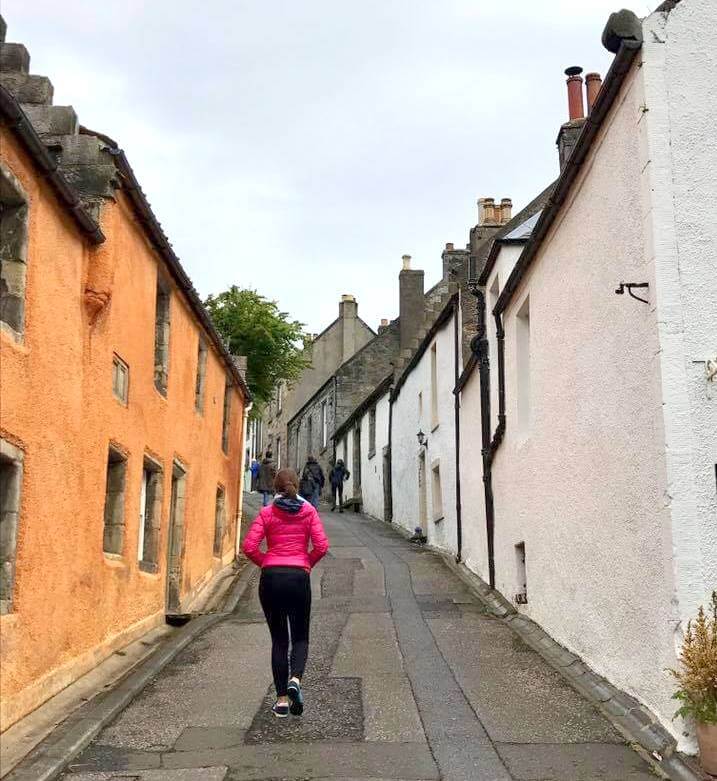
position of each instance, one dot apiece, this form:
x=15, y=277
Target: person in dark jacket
x=338, y=475
x=312, y=481
x=265, y=478
x=254, y=468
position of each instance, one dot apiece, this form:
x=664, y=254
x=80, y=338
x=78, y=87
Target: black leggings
x=285, y=596
x=338, y=489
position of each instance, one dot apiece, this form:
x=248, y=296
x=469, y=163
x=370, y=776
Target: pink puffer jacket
x=287, y=538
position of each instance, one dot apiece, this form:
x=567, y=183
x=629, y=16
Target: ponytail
x=286, y=482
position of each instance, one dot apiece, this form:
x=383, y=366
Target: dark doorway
x=175, y=546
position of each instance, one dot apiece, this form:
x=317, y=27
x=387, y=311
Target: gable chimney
x=455, y=261
x=570, y=131
x=348, y=319
x=411, y=303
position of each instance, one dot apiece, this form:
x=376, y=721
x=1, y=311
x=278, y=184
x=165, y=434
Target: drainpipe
x=240, y=481
x=500, y=430
x=457, y=415
x=480, y=348
x=390, y=456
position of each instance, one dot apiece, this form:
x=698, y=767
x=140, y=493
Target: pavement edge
x=52, y=756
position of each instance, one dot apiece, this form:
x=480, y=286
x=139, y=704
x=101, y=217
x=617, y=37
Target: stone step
x=14, y=58
x=53, y=120
x=28, y=88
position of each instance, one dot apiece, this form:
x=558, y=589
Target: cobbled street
x=408, y=679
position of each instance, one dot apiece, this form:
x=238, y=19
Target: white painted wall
x=611, y=485
x=372, y=467
x=441, y=443
x=583, y=486
x=475, y=542
x=679, y=153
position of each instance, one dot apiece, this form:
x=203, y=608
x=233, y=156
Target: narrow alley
x=409, y=678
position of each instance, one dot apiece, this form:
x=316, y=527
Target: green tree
x=252, y=325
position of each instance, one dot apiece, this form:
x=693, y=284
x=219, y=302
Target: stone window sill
x=16, y=337
x=439, y=520
x=150, y=567
x=371, y=454
x=435, y=426
x=114, y=560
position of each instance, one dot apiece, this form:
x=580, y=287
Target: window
x=161, y=338
x=372, y=432
x=522, y=333
x=150, y=515
x=227, y=415
x=114, y=502
x=309, y=435
x=201, y=373
x=11, y=465
x=278, y=452
x=219, y=520
x=420, y=405
x=120, y=379
x=13, y=252
x=324, y=425
x=434, y=387
x=436, y=492
x=280, y=398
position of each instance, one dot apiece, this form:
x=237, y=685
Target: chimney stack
x=593, y=83
x=570, y=130
x=348, y=318
x=411, y=302
x=486, y=212
x=575, y=93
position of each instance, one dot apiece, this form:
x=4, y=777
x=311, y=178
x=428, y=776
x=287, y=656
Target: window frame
x=114, y=525
x=11, y=459
x=372, y=432
x=119, y=363
x=435, y=420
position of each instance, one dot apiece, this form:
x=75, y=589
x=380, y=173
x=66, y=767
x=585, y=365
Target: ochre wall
x=72, y=601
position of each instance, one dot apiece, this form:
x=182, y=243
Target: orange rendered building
x=121, y=411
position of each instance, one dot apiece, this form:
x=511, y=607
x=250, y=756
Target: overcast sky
x=301, y=147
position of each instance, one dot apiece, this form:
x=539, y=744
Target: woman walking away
x=265, y=478
x=337, y=476
x=288, y=525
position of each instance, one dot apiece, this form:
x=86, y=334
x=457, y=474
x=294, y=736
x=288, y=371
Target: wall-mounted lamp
x=422, y=439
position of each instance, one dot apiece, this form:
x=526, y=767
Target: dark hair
x=287, y=482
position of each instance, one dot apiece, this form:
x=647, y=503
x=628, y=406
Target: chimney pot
x=384, y=321
x=486, y=211
x=593, y=83
x=449, y=246
x=406, y=262
x=506, y=210
x=575, y=92
x=347, y=297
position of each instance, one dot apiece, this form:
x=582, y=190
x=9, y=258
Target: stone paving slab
x=208, y=685
x=409, y=761
x=502, y=677
x=192, y=774
x=574, y=762
x=390, y=712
